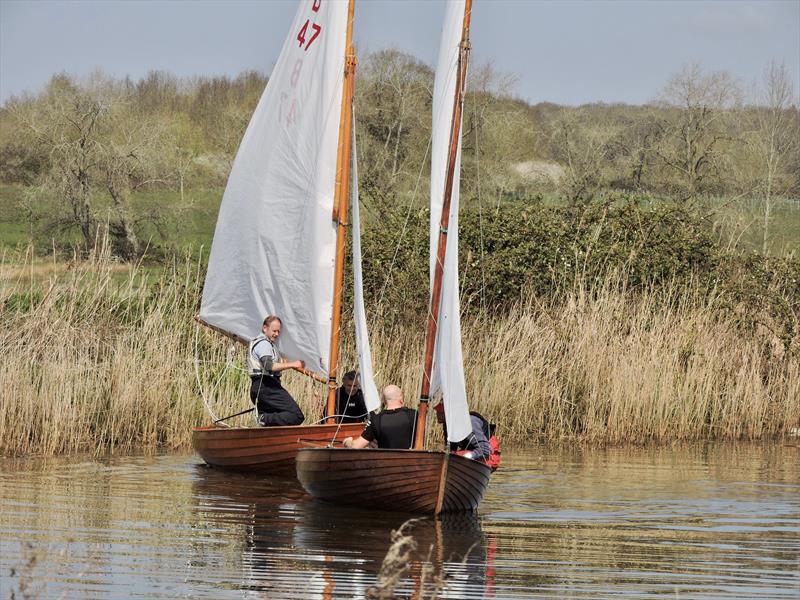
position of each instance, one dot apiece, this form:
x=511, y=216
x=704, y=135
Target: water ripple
x=700, y=521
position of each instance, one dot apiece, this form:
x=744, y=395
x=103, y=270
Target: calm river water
x=710, y=521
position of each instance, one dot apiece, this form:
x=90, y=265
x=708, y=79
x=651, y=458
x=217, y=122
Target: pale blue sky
x=568, y=52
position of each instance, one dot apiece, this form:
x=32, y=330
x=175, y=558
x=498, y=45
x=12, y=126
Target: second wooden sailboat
x=419, y=480
x=279, y=243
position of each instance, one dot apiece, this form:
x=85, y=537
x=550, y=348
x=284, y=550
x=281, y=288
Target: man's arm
x=282, y=366
x=363, y=440
x=274, y=367
x=359, y=442
x=264, y=354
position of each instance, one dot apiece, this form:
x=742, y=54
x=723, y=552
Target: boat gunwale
x=275, y=428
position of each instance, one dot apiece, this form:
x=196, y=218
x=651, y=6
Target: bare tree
x=95, y=145
x=633, y=149
x=581, y=143
x=773, y=139
x=63, y=124
x=393, y=111
x=692, y=134
x=128, y=161
x=498, y=136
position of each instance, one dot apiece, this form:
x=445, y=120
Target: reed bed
x=97, y=356
x=612, y=367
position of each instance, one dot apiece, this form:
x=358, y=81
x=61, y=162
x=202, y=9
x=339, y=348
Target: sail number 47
x=301, y=37
x=315, y=29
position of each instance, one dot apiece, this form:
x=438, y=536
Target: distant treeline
x=87, y=147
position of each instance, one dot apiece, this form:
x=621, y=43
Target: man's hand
x=347, y=442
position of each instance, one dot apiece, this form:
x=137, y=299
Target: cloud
x=729, y=18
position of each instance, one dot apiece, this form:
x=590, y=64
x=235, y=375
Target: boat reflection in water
x=295, y=547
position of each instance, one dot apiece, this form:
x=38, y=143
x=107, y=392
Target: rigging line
x=480, y=209
x=197, y=375
x=413, y=201
x=405, y=226
x=216, y=362
x=414, y=428
x=338, y=424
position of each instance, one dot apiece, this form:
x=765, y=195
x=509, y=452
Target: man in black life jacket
x=350, y=404
x=393, y=427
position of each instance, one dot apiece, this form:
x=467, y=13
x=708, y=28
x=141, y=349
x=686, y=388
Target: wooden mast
x=342, y=193
x=436, y=295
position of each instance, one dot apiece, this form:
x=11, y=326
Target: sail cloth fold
x=275, y=241
x=448, y=368
x=368, y=387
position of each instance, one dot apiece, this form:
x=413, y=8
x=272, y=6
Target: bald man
x=393, y=427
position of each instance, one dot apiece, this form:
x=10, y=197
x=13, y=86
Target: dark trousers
x=274, y=404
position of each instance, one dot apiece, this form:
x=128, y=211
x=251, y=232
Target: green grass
x=164, y=219
x=187, y=223
x=14, y=227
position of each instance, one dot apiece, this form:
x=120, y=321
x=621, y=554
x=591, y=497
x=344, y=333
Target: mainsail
x=274, y=244
x=448, y=369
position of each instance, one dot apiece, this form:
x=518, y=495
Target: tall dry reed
x=96, y=355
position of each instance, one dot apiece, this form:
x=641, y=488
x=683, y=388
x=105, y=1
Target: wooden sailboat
x=279, y=243
x=419, y=480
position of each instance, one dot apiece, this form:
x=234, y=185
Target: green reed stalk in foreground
x=95, y=355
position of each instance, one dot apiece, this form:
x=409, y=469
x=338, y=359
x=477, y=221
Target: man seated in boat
x=481, y=444
x=350, y=405
x=393, y=427
x=274, y=404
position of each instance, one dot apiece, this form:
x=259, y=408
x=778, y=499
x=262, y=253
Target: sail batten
x=274, y=243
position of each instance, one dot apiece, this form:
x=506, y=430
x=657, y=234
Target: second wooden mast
x=436, y=294
x=341, y=198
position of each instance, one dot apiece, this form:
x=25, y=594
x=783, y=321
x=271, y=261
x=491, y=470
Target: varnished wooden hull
x=263, y=450
x=417, y=481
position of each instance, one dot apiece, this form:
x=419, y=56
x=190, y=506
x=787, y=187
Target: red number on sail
x=284, y=97
x=316, y=5
x=292, y=116
x=301, y=37
x=296, y=72
x=314, y=35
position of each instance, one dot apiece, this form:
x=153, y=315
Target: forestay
x=368, y=388
x=274, y=244
x=448, y=369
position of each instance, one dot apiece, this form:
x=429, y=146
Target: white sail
x=448, y=368
x=368, y=388
x=274, y=244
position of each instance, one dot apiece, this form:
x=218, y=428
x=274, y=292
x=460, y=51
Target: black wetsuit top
x=392, y=428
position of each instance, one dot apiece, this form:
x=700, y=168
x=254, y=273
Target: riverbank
x=100, y=356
